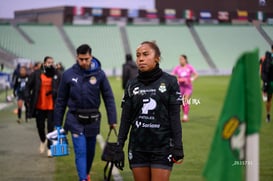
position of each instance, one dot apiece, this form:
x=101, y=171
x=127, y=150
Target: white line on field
x=4, y=105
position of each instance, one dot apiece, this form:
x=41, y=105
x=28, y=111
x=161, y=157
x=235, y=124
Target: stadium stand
x=105, y=41
x=173, y=41
x=269, y=30
x=47, y=41
x=225, y=43
x=259, y=28
x=10, y=40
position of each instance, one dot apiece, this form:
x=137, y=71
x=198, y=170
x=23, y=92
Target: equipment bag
x=108, y=155
x=61, y=147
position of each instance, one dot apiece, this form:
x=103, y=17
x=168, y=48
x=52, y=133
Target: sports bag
x=110, y=148
x=108, y=155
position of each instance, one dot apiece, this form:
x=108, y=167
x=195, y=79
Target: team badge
x=230, y=127
x=162, y=87
x=93, y=80
x=234, y=131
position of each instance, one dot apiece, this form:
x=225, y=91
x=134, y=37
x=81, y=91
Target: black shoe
x=267, y=118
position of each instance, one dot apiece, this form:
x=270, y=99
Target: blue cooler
x=61, y=147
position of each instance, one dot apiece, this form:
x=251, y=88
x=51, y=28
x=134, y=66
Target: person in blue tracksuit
x=80, y=90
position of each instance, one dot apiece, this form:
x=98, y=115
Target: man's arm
x=109, y=101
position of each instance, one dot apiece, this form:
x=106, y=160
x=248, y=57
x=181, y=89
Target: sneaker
x=42, y=147
x=88, y=178
x=267, y=118
x=49, y=153
x=19, y=121
x=185, y=118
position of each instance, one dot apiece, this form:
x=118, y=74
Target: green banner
x=241, y=115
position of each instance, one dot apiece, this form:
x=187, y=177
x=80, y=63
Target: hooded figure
x=129, y=70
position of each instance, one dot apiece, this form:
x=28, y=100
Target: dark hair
x=83, y=49
x=23, y=67
x=36, y=64
x=128, y=57
x=267, y=55
x=185, y=57
x=46, y=58
x=272, y=47
x=154, y=46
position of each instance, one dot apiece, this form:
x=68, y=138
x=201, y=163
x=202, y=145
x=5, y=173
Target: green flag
x=240, y=116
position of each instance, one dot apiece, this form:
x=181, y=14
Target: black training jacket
x=153, y=113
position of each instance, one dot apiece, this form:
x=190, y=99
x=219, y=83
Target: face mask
x=49, y=70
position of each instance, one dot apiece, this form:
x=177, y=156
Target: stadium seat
x=172, y=40
x=225, y=43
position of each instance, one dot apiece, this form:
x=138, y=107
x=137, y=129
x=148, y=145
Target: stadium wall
x=216, y=5
x=65, y=14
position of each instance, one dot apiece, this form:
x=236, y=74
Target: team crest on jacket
x=162, y=87
x=93, y=80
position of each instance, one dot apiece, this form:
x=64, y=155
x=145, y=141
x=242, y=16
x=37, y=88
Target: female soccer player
x=151, y=110
x=19, y=92
x=186, y=74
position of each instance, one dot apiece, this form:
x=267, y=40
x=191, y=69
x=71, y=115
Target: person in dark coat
x=129, y=70
x=150, y=117
x=41, y=92
x=267, y=77
x=80, y=91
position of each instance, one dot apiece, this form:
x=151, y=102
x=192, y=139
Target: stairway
x=257, y=24
x=125, y=40
x=22, y=33
x=67, y=41
x=202, y=49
